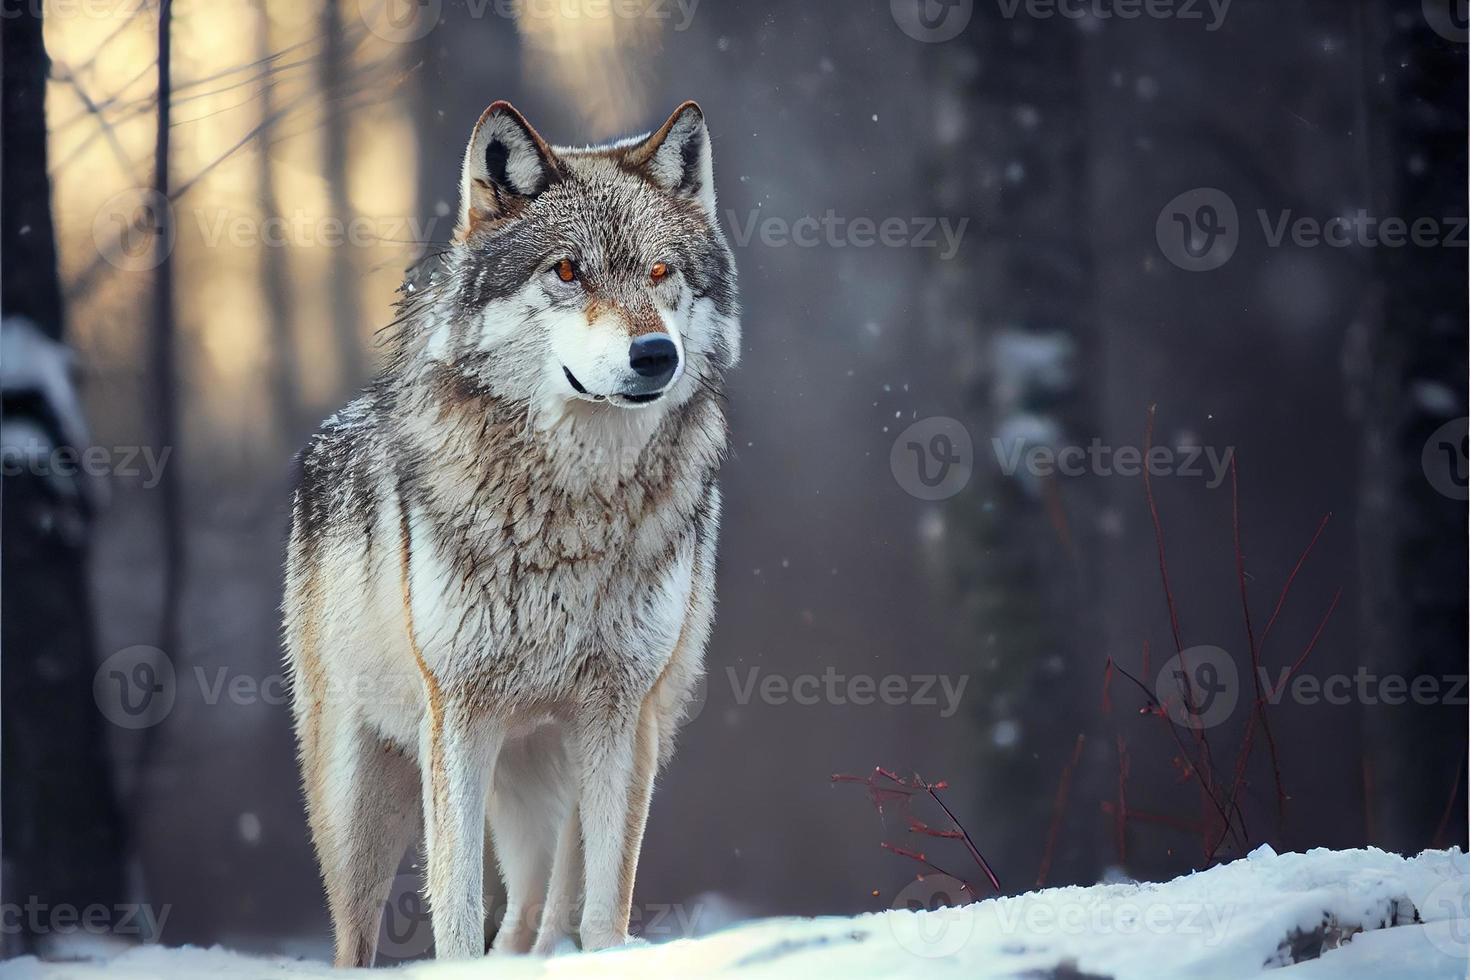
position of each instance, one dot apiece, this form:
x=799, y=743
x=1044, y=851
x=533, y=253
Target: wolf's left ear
x=677, y=157
x=506, y=164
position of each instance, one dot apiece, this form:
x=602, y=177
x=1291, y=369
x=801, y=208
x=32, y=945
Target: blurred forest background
x=203, y=328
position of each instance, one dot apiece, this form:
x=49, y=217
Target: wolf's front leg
x=457, y=759
x=616, y=758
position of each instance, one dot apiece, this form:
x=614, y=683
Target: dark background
x=1060, y=320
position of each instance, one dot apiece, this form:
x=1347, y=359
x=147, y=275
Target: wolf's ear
x=677, y=157
x=506, y=164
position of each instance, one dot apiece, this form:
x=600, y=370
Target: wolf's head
x=595, y=275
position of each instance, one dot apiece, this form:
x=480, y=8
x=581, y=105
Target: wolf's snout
x=654, y=357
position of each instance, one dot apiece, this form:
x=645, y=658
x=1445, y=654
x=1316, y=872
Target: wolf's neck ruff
x=465, y=445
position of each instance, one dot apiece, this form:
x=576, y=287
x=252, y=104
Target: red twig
x=1238, y=776
x=1192, y=769
x=1258, y=710
x=1058, y=806
x=885, y=786
x=1369, y=829
x=932, y=789
x=1162, y=819
x=1286, y=589
x=1153, y=510
x=1207, y=778
x=920, y=858
x=1449, y=804
x=1120, y=818
x=1316, y=635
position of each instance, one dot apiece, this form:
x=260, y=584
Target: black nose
x=654, y=356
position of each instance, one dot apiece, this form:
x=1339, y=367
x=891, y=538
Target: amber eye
x=658, y=272
x=565, y=271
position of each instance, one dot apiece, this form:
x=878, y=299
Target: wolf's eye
x=565, y=270
x=658, y=272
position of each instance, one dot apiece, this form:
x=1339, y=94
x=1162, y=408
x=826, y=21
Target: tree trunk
x=1012, y=158
x=1413, y=532
x=64, y=842
x=345, y=317
x=285, y=399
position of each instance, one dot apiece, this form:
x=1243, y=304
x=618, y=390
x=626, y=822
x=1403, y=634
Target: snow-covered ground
x=1264, y=915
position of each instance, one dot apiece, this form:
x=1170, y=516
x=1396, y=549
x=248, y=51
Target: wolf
x=500, y=569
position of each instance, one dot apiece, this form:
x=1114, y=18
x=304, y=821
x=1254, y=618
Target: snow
x=1233, y=921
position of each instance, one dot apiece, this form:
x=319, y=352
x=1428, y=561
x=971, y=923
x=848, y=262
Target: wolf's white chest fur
x=530, y=592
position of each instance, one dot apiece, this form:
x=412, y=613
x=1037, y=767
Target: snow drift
x=1323, y=914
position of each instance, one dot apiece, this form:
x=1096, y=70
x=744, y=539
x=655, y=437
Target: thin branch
x=1059, y=806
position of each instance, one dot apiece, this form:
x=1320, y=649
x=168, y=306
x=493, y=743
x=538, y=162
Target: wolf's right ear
x=676, y=157
x=506, y=164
